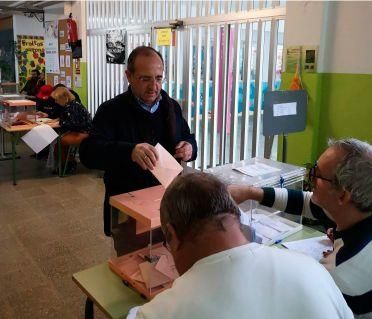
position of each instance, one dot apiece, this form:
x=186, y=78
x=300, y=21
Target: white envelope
x=39, y=137
x=166, y=168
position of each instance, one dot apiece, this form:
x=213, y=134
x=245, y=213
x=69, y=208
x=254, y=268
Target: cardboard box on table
x=150, y=269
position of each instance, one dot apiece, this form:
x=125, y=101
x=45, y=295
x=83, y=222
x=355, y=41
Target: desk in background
x=14, y=131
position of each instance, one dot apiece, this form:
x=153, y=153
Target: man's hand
x=145, y=155
x=183, y=151
x=241, y=193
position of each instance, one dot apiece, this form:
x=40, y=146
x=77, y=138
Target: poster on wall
x=293, y=57
x=116, y=46
x=51, y=47
x=31, y=56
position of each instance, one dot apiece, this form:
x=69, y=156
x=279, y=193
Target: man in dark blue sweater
x=126, y=129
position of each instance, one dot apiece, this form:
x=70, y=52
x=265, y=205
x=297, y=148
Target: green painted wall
x=83, y=91
x=340, y=105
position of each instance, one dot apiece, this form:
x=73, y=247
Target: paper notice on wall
x=78, y=83
x=51, y=47
x=62, y=74
x=284, y=109
x=61, y=33
x=293, y=57
x=39, y=137
x=62, y=61
x=68, y=81
x=68, y=61
x=67, y=47
x=61, y=47
x=55, y=80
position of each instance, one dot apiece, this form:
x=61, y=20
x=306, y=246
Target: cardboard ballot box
x=17, y=111
x=148, y=268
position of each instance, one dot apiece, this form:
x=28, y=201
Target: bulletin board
x=65, y=59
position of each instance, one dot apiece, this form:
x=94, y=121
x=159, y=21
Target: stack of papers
x=39, y=137
x=269, y=227
x=257, y=169
x=154, y=274
x=313, y=247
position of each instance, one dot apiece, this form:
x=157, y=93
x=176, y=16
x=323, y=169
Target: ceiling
x=8, y=8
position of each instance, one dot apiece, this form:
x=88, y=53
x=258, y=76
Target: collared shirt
x=149, y=108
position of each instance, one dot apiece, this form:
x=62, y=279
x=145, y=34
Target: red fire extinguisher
x=72, y=30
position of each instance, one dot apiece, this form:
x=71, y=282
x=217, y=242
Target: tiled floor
x=50, y=228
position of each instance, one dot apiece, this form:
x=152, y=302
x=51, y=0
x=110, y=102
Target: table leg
x=59, y=156
x=4, y=156
x=89, y=310
x=14, y=140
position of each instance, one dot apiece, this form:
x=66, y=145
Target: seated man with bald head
x=222, y=275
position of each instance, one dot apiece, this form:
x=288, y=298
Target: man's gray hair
x=193, y=200
x=354, y=173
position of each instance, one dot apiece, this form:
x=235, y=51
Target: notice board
x=65, y=75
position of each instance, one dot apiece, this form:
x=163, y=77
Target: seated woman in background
x=45, y=105
x=74, y=120
x=60, y=85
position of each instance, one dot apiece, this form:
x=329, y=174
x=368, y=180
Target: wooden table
x=14, y=131
x=107, y=291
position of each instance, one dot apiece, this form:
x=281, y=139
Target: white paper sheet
x=284, y=109
x=167, y=168
x=313, y=247
x=39, y=137
x=256, y=169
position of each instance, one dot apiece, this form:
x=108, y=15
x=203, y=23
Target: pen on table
x=279, y=242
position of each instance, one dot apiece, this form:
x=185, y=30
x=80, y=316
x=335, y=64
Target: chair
x=72, y=140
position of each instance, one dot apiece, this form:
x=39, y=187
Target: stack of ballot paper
x=149, y=271
x=313, y=247
x=269, y=227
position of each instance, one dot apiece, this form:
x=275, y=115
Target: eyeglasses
x=149, y=79
x=312, y=175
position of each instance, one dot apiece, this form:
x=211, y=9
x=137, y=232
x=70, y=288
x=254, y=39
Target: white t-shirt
x=251, y=281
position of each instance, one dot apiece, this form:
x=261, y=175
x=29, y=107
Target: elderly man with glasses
x=124, y=134
x=341, y=198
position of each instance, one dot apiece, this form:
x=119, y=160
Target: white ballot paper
x=167, y=168
x=313, y=247
x=256, y=169
x=39, y=137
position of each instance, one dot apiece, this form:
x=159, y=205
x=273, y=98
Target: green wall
x=83, y=91
x=340, y=105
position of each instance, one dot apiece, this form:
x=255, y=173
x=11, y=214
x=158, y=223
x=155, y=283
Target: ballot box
x=140, y=256
x=268, y=225
x=17, y=112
